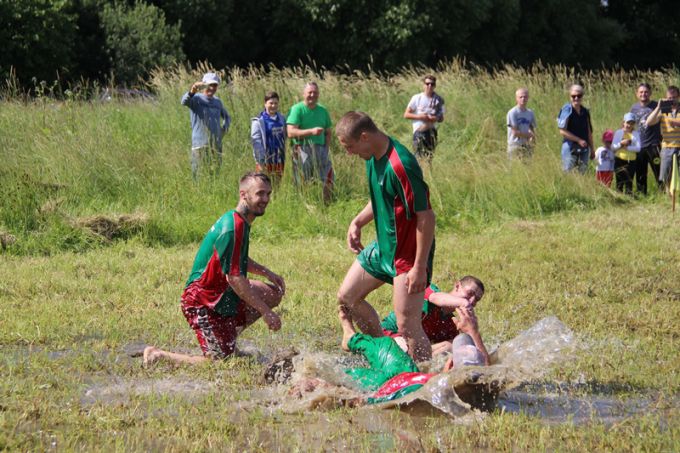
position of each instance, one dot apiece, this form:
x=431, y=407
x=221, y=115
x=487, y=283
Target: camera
x=666, y=105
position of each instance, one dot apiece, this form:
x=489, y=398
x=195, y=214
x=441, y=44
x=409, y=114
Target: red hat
x=608, y=136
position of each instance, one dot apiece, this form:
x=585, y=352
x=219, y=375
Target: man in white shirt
x=425, y=109
x=521, y=124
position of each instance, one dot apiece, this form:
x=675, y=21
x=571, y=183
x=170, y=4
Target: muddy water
x=514, y=383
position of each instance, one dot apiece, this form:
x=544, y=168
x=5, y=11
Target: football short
x=370, y=260
x=216, y=333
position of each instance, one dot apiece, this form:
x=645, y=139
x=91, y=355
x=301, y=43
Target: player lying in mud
x=392, y=373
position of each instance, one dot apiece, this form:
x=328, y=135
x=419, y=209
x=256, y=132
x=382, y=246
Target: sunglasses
x=576, y=96
x=431, y=83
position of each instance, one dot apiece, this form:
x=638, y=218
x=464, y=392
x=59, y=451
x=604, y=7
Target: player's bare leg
x=347, y=327
x=357, y=285
x=408, y=310
x=269, y=294
x=153, y=354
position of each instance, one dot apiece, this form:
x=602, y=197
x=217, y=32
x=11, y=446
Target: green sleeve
x=294, y=115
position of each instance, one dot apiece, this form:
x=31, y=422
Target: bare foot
x=347, y=327
x=151, y=355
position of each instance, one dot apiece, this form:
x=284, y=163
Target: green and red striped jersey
x=224, y=251
x=398, y=191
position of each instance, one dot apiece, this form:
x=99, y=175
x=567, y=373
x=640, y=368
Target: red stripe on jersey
x=208, y=289
x=400, y=172
x=401, y=381
x=235, y=262
x=405, y=236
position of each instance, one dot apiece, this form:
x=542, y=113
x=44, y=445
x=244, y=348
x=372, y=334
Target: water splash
x=318, y=380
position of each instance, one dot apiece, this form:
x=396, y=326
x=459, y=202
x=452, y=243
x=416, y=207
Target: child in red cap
x=605, y=159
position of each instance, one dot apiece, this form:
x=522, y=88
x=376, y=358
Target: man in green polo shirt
x=309, y=125
x=404, y=221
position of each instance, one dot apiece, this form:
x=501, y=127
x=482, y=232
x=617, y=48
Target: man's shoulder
x=401, y=157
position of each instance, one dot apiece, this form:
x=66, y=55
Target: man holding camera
x=650, y=137
x=209, y=122
x=666, y=114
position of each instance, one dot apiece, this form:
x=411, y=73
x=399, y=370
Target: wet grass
x=609, y=274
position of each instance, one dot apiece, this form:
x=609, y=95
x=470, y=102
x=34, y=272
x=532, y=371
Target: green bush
x=139, y=39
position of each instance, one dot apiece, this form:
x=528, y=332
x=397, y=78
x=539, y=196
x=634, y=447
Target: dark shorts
x=424, y=143
x=216, y=333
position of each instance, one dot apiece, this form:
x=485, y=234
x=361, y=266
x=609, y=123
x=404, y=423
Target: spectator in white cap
x=209, y=122
x=626, y=145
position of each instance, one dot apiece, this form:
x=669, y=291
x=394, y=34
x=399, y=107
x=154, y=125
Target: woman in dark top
x=576, y=130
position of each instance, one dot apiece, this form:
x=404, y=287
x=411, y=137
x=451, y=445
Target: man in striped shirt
x=670, y=131
x=219, y=301
x=403, y=252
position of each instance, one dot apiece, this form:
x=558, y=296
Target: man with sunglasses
x=425, y=109
x=576, y=130
x=209, y=122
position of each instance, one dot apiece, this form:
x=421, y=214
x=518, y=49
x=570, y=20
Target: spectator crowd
x=648, y=136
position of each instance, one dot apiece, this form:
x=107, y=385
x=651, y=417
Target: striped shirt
x=670, y=133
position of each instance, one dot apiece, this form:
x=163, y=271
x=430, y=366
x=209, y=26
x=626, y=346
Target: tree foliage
x=137, y=39
x=94, y=38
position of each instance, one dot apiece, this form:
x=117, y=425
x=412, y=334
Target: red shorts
x=605, y=177
x=216, y=333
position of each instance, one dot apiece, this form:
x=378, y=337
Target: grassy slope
x=575, y=266
x=545, y=243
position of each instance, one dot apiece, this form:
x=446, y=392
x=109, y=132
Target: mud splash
x=318, y=380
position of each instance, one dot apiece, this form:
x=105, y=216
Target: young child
x=605, y=159
x=626, y=145
x=439, y=324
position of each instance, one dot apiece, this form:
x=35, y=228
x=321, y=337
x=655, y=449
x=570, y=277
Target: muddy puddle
x=514, y=383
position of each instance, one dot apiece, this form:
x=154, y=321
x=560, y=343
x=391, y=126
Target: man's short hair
x=673, y=88
x=576, y=87
x=469, y=279
x=311, y=84
x=252, y=176
x=353, y=124
x=430, y=77
x=270, y=95
x=645, y=85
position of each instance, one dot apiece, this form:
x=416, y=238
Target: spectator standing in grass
x=576, y=130
x=666, y=113
x=605, y=159
x=209, y=122
x=521, y=124
x=309, y=125
x=650, y=138
x=425, y=110
x=268, y=137
x=626, y=145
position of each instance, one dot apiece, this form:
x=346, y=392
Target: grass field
x=72, y=302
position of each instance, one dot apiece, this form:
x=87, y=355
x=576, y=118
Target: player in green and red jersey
x=439, y=324
x=404, y=220
x=219, y=300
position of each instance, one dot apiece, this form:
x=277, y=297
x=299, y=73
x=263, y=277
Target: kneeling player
x=219, y=300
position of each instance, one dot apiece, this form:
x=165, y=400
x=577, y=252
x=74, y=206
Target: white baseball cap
x=210, y=78
x=629, y=117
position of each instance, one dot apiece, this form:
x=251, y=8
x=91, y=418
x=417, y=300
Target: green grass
x=543, y=242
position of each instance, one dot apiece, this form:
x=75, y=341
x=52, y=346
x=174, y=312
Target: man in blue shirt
x=209, y=122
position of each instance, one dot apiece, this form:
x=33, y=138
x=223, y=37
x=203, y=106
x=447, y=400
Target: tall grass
x=66, y=159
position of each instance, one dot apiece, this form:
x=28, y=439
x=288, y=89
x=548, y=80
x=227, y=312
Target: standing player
x=219, y=300
x=404, y=220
